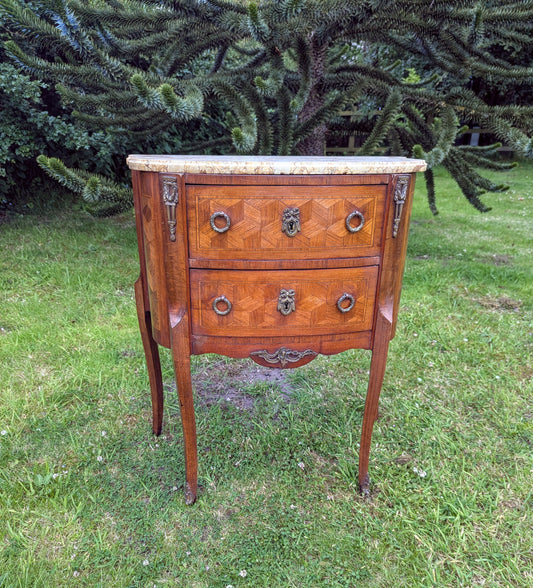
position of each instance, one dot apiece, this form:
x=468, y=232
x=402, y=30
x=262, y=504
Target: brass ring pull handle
x=217, y=309
x=340, y=302
x=214, y=217
x=355, y=214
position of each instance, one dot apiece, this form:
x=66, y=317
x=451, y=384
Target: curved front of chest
x=284, y=222
x=229, y=303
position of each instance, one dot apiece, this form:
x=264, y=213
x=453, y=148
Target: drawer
x=282, y=303
x=285, y=222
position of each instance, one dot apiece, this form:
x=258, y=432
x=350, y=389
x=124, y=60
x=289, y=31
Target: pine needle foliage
x=282, y=70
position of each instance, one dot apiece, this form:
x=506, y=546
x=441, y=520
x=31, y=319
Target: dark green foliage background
x=270, y=77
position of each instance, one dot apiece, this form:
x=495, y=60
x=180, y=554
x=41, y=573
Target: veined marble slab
x=274, y=165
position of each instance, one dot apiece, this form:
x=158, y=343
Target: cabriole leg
x=182, y=369
x=377, y=372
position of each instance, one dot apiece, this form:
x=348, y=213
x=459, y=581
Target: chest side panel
x=153, y=241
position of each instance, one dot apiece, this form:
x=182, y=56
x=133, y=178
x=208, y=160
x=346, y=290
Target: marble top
x=275, y=165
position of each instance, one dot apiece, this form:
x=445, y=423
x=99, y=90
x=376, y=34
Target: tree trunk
x=314, y=143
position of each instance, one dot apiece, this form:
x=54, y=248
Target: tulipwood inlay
x=274, y=258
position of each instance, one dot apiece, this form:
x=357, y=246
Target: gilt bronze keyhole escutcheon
x=286, y=302
x=291, y=221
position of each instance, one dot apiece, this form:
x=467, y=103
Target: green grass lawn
x=89, y=497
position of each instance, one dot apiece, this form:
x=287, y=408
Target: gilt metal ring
x=214, y=217
x=225, y=301
x=355, y=214
x=343, y=299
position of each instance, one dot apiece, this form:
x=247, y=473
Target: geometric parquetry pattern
x=256, y=224
x=254, y=301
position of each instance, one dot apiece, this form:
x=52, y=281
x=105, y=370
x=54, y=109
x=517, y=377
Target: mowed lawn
x=89, y=497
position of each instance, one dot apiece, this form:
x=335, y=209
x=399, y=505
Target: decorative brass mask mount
x=286, y=302
x=291, y=222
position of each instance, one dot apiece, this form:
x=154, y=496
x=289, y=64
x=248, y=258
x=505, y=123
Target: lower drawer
x=282, y=303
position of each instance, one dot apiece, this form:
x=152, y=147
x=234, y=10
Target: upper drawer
x=284, y=222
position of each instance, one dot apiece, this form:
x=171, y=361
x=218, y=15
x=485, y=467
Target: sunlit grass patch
x=89, y=497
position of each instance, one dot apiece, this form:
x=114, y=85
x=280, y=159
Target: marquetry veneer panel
x=253, y=257
x=256, y=212
x=254, y=298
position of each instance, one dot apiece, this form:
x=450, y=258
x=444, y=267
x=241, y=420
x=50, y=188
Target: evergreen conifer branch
x=429, y=178
x=472, y=184
x=147, y=67
x=134, y=16
x=513, y=136
x=265, y=133
x=304, y=67
x=245, y=136
x=219, y=59
x=384, y=123
x=206, y=146
x=481, y=150
x=178, y=57
x=57, y=169
x=112, y=101
x=286, y=122
x=227, y=5
x=73, y=74
x=272, y=85
x=184, y=108
x=31, y=26
x=448, y=132
x=258, y=28
x=78, y=180
x=250, y=52
x=478, y=160
x=287, y=9
x=131, y=48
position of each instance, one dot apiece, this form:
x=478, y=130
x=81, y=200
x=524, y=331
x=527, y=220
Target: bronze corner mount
x=170, y=198
x=400, y=196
